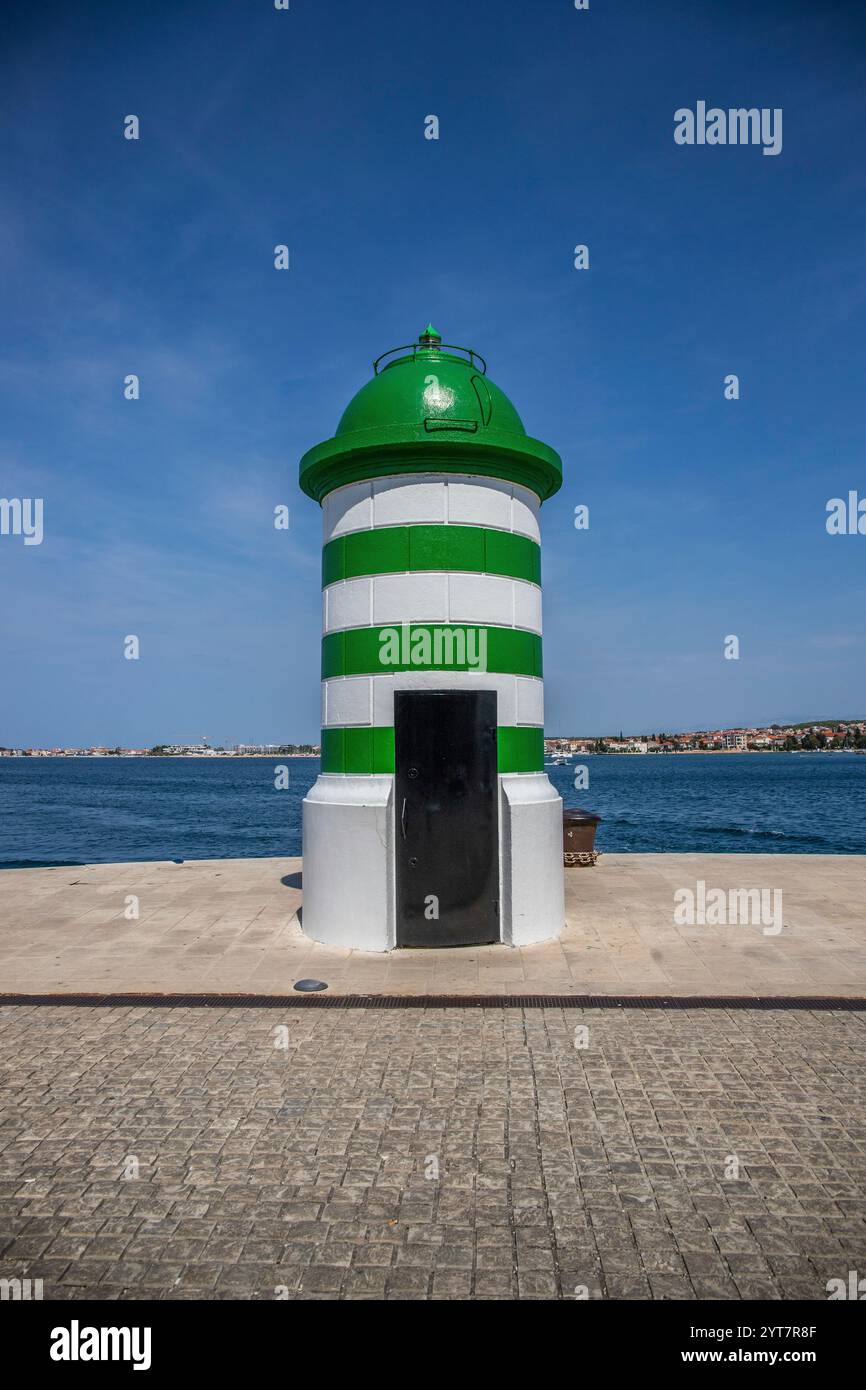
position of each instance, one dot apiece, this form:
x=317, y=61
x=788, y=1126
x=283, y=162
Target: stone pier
x=233, y=926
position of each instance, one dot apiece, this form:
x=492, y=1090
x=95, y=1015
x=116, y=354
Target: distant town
x=173, y=750
x=774, y=738
x=827, y=736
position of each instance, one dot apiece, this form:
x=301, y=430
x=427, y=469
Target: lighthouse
x=432, y=822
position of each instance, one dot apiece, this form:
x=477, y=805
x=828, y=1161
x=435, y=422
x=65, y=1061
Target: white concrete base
x=349, y=862
x=531, y=867
x=349, y=871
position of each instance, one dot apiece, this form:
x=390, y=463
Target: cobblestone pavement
x=296, y=1153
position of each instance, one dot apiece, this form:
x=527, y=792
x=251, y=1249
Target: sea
x=109, y=810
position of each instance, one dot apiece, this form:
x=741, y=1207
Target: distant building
x=735, y=738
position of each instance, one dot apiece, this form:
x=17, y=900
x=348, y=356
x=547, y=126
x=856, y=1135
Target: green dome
x=430, y=410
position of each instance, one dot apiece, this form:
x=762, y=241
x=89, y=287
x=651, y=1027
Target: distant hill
x=827, y=723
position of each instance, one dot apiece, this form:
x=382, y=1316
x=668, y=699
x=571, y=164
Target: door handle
x=403, y=818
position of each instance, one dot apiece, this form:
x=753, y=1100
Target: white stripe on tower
x=365, y=700
x=417, y=500
x=431, y=596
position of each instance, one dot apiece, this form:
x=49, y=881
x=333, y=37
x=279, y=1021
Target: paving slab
x=474, y=1153
x=233, y=926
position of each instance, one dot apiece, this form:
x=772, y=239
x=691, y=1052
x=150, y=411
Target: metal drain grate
x=433, y=1001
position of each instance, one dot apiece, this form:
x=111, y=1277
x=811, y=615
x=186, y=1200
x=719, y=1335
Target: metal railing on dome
x=474, y=357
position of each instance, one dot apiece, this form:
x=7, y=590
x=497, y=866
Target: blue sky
x=258, y=127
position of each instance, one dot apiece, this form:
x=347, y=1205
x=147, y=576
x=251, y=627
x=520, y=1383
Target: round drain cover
x=310, y=986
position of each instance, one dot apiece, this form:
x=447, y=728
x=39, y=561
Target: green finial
x=430, y=335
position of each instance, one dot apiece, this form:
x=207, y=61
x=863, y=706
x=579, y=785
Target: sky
x=259, y=127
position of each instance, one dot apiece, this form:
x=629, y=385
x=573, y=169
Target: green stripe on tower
x=396, y=549
x=362, y=651
x=351, y=750
x=369, y=751
x=520, y=749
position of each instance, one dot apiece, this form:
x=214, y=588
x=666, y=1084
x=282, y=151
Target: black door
x=446, y=817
